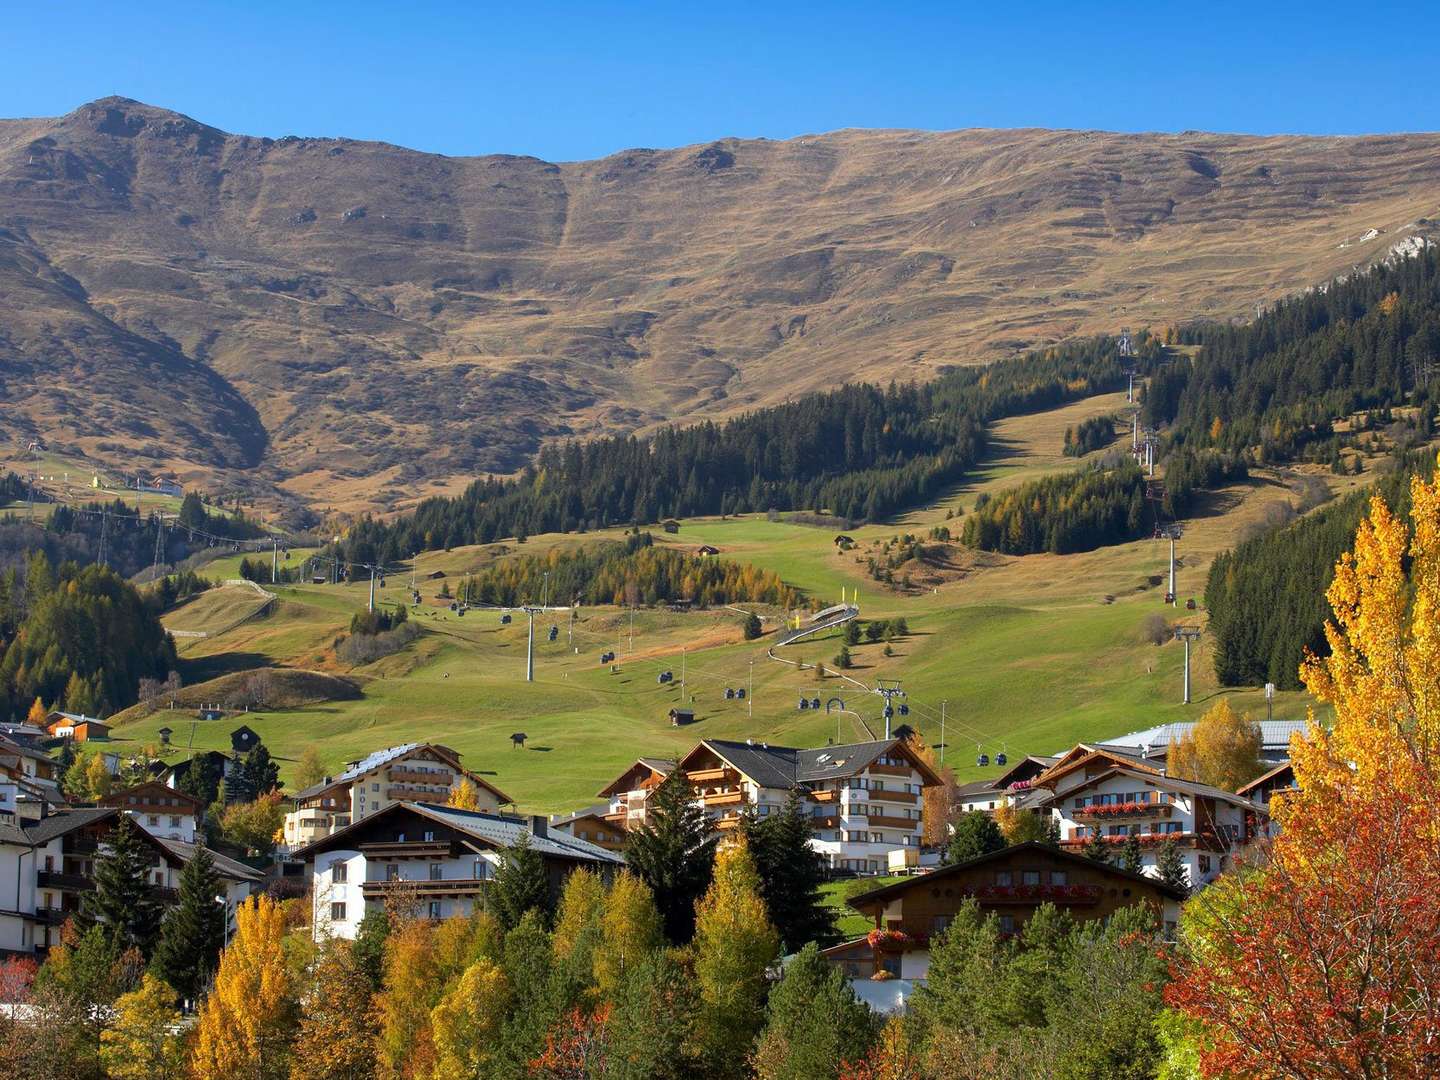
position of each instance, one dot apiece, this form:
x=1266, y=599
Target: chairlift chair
x=1000, y=758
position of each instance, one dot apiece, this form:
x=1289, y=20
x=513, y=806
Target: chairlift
x=740, y=693
x=461, y=612
x=804, y=703
x=505, y=619
x=454, y=606
x=1001, y=759
x=554, y=632
x=815, y=703
x=904, y=709
x=729, y=694
x=983, y=760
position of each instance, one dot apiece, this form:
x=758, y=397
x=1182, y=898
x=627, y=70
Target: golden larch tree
x=140, y=1042
x=467, y=1021
x=1223, y=749
x=629, y=930
x=248, y=1021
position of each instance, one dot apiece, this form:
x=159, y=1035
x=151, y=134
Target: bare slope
x=365, y=324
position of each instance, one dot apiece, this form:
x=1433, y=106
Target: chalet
x=76, y=727
x=47, y=865
x=36, y=776
x=864, y=799
x=243, y=739
x=627, y=792
x=437, y=860
x=988, y=794
x=410, y=772
x=707, y=550
x=679, y=717
x=591, y=824
x=159, y=810
x=214, y=762
x=1155, y=742
x=1277, y=781
x=1009, y=884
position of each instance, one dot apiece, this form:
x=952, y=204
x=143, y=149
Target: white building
x=47, y=866
x=864, y=800
x=411, y=772
x=160, y=810
x=436, y=860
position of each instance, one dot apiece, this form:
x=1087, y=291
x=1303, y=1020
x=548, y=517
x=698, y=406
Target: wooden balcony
x=713, y=776
x=410, y=849
x=723, y=798
x=905, y=771
x=461, y=887
x=55, y=879
x=824, y=796
x=729, y=821
x=419, y=776
x=887, y=795
x=832, y=822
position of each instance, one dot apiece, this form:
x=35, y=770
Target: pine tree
x=369, y=948
x=752, y=627
x=1130, y=857
x=814, y=1024
x=791, y=875
x=652, y=1027
x=193, y=932
x=673, y=852
x=262, y=774
x=842, y=658
x=520, y=884
x=975, y=834
x=121, y=901
x=1171, y=867
x=1096, y=846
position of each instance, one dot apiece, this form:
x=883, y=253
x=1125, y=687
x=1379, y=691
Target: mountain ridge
x=357, y=324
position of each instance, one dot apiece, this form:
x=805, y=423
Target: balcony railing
x=890, y=770
x=710, y=776
x=891, y=795
x=722, y=798
x=410, y=849
x=378, y=890
x=52, y=916
x=826, y=796
x=1127, y=809
x=55, y=879
x=885, y=821
x=419, y=776
x=1185, y=839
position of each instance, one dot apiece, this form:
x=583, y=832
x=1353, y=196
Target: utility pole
x=570, y=630
x=632, y=630
x=888, y=692
x=1269, y=701
x=372, y=588
x=530, y=647
x=1187, y=634
x=682, y=676
x=750, y=694
x=274, y=560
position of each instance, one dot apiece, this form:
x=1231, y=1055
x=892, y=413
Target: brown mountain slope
x=363, y=324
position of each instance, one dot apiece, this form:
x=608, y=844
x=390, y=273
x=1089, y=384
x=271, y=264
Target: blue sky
x=567, y=81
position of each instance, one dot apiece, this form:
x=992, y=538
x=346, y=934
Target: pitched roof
x=1187, y=787
x=1264, y=777
x=597, y=811
x=925, y=880
x=1274, y=735
x=224, y=865
x=493, y=830
x=786, y=766
x=118, y=797
x=66, y=821
x=379, y=758
x=657, y=765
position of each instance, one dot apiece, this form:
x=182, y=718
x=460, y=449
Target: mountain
x=359, y=324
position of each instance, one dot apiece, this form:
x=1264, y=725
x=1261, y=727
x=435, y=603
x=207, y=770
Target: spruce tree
x=262, y=774
x=193, y=932
x=370, y=938
x=520, y=885
x=673, y=852
x=791, y=874
x=1095, y=846
x=1171, y=867
x=975, y=834
x=1130, y=858
x=122, y=902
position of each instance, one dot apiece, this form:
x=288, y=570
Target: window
x=1204, y=864
x=1059, y=877
x=152, y=819
x=337, y=912
x=1002, y=877
x=174, y=821
x=1007, y=924
x=375, y=787
x=392, y=872
x=437, y=871
x=340, y=872
x=400, y=838
x=434, y=909
x=1030, y=877
x=877, y=838
x=429, y=836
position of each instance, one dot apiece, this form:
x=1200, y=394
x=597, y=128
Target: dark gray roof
x=663, y=766
x=785, y=766
x=224, y=865
x=65, y=821
x=598, y=810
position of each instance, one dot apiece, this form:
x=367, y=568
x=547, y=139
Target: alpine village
x=880, y=605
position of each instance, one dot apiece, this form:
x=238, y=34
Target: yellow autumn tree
x=629, y=930
x=141, y=1042
x=464, y=796
x=582, y=906
x=1222, y=749
x=412, y=985
x=248, y=1021
x=466, y=1022
x=734, y=945
x=38, y=714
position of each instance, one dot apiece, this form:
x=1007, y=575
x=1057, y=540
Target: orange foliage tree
x=1322, y=960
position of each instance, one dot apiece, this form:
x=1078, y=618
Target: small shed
x=243, y=739
x=670, y=525
x=680, y=717
x=707, y=550
x=842, y=540
x=435, y=575
x=165, y=734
